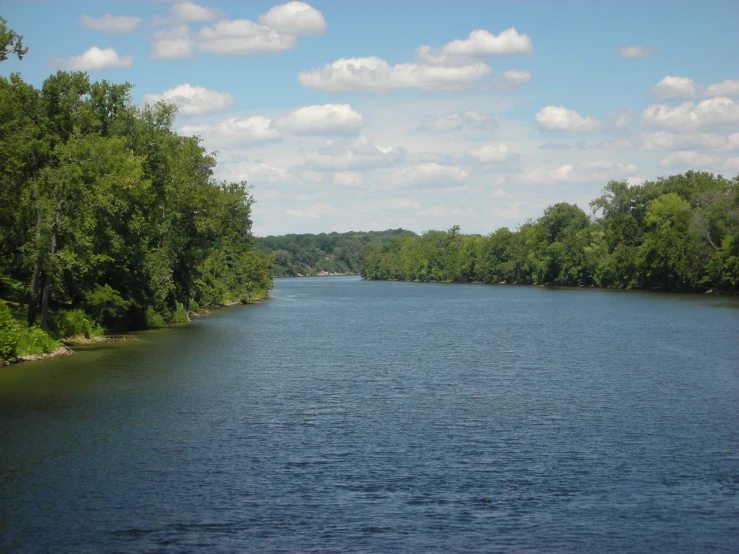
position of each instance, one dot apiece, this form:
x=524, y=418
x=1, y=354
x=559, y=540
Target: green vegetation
x=307, y=254
x=677, y=233
x=108, y=218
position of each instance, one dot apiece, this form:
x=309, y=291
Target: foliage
x=104, y=207
x=74, y=323
x=152, y=320
x=35, y=341
x=179, y=316
x=676, y=233
x=10, y=42
x=308, y=254
x=8, y=334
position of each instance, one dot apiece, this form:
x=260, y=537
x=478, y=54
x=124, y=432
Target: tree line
x=310, y=254
x=679, y=233
x=106, y=212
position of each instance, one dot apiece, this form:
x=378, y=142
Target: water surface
x=344, y=415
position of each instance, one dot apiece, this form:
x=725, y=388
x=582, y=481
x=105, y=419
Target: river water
x=344, y=415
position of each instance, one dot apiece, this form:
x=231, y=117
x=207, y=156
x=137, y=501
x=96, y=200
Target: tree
x=10, y=42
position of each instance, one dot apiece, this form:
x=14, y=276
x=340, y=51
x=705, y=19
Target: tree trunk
x=33, y=302
x=47, y=281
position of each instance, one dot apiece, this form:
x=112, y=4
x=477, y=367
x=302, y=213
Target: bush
x=194, y=307
x=35, y=341
x=74, y=323
x=106, y=306
x=179, y=316
x=8, y=334
x=152, y=319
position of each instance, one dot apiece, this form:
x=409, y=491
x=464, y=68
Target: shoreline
x=68, y=344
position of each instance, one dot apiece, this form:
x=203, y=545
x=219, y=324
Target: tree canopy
x=676, y=233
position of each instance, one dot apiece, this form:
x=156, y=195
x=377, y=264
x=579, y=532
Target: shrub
x=194, y=306
x=152, y=319
x=35, y=341
x=74, y=323
x=179, y=316
x=8, y=334
x=106, y=306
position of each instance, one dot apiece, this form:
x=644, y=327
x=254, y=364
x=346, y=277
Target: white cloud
x=636, y=51
x=690, y=158
x=244, y=37
x=348, y=179
x=295, y=18
x=252, y=130
x=575, y=173
x=257, y=173
x=676, y=87
x=709, y=114
x=427, y=174
x=187, y=11
x=375, y=75
x=686, y=88
x=724, y=88
x=338, y=119
x=92, y=59
x=458, y=121
x=664, y=140
x=193, y=100
x=315, y=211
x=111, y=23
x=359, y=153
x=512, y=79
x=478, y=43
x=174, y=43
x=557, y=118
x=624, y=117
x=492, y=153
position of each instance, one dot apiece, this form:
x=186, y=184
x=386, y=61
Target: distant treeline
x=105, y=210
x=308, y=254
x=678, y=233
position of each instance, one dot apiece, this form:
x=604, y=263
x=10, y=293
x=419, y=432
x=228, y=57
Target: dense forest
x=307, y=254
x=679, y=233
x=108, y=218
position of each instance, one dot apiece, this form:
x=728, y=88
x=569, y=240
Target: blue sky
x=349, y=115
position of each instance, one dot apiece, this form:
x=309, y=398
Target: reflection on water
x=344, y=415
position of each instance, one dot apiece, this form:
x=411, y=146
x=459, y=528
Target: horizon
x=381, y=116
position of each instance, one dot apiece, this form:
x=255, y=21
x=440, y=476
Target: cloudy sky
x=368, y=115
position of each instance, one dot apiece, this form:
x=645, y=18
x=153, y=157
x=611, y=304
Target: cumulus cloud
x=636, y=51
x=187, y=11
x=686, y=88
x=724, y=88
x=427, y=174
x=243, y=37
x=458, y=121
x=575, y=173
x=714, y=113
x=623, y=118
x=374, y=75
x=359, y=153
x=664, y=140
x=512, y=79
x=478, y=43
x=174, y=43
x=491, y=153
x=115, y=24
x=93, y=59
x=339, y=119
x=557, y=118
x=252, y=130
x=295, y=18
x=193, y=99
x=257, y=172
x=690, y=158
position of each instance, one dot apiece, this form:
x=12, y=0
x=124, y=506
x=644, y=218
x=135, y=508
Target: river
x=343, y=415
